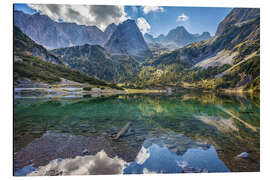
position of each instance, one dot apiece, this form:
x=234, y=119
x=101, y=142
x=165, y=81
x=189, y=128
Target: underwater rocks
x=242, y=155
x=194, y=170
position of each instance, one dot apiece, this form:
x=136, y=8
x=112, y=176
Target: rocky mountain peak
x=109, y=31
x=177, y=37
x=127, y=39
x=181, y=28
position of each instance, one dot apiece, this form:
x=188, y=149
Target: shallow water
x=179, y=133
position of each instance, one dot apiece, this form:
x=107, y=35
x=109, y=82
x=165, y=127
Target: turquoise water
x=180, y=133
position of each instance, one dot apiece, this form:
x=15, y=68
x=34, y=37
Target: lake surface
x=178, y=133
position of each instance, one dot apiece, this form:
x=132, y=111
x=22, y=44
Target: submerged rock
x=242, y=155
x=194, y=170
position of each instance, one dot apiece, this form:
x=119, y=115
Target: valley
x=210, y=64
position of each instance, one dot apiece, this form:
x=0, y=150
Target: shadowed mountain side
x=96, y=61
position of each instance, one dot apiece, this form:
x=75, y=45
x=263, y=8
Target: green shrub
x=36, y=69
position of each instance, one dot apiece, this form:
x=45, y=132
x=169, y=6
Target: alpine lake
x=163, y=133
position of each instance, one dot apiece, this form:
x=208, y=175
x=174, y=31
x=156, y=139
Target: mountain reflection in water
x=170, y=153
x=168, y=134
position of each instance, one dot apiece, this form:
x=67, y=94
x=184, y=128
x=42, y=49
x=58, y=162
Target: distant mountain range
x=177, y=37
x=230, y=59
x=51, y=34
x=125, y=38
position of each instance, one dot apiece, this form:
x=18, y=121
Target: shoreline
x=57, y=92
x=51, y=92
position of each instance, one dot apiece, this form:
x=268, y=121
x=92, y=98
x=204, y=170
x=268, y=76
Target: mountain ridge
x=178, y=36
x=52, y=34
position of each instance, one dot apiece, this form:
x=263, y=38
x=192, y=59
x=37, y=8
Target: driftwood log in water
x=122, y=131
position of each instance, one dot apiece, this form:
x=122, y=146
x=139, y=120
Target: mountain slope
x=242, y=39
x=34, y=62
x=23, y=43
x=127, y=39
x=52, y=34
x=235, y=41
x=238, y=17
x=96, y=61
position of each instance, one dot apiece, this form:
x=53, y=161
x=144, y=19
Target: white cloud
x=98, y=15
x=146, y=171
x=143, y=25
x=182, y=17
x=182, y=164
x=147, y=9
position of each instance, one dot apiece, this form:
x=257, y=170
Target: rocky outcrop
x=109, y=31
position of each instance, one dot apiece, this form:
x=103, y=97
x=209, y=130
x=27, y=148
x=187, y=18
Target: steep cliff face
x=109, y=31
x=127, y=39
x=51, y=34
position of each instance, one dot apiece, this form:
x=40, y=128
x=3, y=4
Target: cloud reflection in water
x=83, y=165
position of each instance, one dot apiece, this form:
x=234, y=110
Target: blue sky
x=25, y=8
x=199, y=19
x=156, y=20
